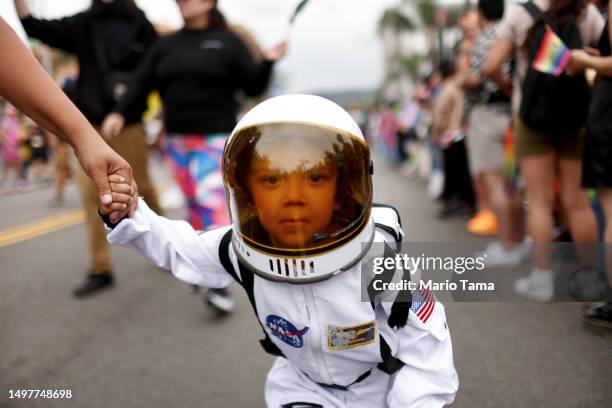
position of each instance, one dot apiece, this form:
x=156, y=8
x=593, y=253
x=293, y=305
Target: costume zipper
x=315, y=332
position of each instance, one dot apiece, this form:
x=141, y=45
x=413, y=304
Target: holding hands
x=124, y=195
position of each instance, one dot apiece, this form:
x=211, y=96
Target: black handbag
x=117, y=81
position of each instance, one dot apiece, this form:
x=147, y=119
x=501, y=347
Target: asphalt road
x=151, y=343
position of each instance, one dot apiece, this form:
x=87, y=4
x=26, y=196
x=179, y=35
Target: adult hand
x=112, y=126
x=277, y=52
x=577, y=61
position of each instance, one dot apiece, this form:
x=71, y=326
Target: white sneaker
x=498, y=257
x=220, y=300
x=172, y=198
x=538, y=286
x=407, y=169
x=436, y=184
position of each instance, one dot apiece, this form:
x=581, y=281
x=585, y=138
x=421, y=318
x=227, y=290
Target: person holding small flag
x=549, y=118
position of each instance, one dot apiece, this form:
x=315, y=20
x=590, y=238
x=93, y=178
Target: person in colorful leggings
x=197, y=72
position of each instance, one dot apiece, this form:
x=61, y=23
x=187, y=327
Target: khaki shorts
x=529, y=142
x=62, y=157
x=485, y=141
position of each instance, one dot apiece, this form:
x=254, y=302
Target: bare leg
x=482, y=195
x=507, y=207
x=575, y=202
x=605, y=198
x=538, y=172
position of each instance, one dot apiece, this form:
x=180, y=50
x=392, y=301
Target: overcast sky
x=333, y=44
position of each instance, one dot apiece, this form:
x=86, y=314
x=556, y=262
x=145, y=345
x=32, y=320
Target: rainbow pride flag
x=553, y=55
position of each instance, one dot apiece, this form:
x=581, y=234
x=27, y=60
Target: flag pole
x=298, y=9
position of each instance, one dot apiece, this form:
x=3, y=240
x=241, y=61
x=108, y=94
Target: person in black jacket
x=197, y=72
x=109, y=40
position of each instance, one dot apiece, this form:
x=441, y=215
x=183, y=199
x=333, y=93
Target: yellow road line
x=40, y=227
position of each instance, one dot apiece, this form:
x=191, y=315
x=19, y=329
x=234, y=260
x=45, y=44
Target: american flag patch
x=423, y=304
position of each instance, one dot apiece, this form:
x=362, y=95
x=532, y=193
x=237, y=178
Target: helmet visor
x=297, y=188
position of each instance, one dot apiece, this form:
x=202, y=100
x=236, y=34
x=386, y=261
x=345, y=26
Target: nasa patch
x=286, y=331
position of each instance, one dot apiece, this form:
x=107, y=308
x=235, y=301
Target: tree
x=428, y=10
x=423, y=18
x=397, y=22
x=411, y=64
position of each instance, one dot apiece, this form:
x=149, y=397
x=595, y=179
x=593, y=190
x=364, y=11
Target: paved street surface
x=151, y=343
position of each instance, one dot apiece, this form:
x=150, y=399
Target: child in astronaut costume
x=297, y=173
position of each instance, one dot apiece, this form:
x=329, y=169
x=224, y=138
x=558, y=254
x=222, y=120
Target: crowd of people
x=526, y=170
x=26, y=151
x=465, y=127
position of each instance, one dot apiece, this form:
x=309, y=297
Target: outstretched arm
x=25, y=84
x=192, y=256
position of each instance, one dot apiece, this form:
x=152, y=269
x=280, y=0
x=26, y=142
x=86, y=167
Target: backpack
x=387, y=219
x=553, y=104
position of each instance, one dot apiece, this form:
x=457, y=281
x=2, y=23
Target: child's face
x=292, y=206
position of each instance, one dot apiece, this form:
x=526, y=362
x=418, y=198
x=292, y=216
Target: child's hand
x=277, y=52
x=123, y=196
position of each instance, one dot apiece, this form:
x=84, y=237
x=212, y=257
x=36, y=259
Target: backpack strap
x=398, y=318
x=387, y=218
x=224, y=256
x=246, y=280
x=538, y=14
x=379, y=205
x=533, y=9
x=390, y=364
x=386, y=276
x=401, y=306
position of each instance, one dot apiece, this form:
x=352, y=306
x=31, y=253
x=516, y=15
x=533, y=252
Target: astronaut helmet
x=297, y=174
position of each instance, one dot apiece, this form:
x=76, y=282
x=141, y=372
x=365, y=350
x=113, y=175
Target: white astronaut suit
x=334, y=348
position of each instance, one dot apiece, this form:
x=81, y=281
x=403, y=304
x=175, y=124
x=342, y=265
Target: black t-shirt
x=197, y=73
